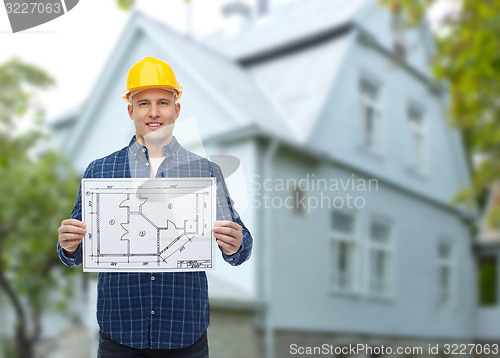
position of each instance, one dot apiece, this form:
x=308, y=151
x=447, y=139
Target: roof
x=299, y=22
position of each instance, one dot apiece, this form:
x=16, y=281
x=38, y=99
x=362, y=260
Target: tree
x=468, y=60
x=125, y=4
x=38, y=190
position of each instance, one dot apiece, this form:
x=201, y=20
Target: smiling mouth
x=153, y=124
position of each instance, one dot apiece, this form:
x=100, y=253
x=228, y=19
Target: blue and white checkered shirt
x=156, y=310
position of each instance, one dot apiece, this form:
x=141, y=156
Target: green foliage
x=37, y=193
x=126, y=4
x=18, y=83
x=7, y=348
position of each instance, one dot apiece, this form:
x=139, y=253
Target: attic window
x=417, y=139
x=371, y=121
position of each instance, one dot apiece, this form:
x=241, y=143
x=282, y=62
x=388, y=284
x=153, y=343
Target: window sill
x=333, y=292
x=371, y=152
x=421, y=174
x=447, y=307
x=380, y=298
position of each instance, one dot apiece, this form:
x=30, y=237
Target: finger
x=70, y=245
x=230, y=224
x=73, y=222
x=69, y=239
x=72, y=239
x=71, y=236
x=227, y=223
x=225, y=230
x=230, y=240
x=228, y=249
x=72, y=229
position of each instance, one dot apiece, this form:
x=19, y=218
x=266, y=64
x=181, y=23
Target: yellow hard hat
x=151, y=73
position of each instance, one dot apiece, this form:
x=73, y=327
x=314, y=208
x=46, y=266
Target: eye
x=164, y=103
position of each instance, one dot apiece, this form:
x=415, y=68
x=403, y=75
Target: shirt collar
x=169, y=150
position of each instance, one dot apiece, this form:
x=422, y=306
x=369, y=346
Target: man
x=155, y=314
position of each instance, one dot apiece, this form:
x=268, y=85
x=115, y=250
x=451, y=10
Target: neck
x=155, y=149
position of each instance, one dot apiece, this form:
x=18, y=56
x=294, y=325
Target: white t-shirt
x=154, y=164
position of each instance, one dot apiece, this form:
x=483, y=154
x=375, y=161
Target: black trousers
x=111, y=349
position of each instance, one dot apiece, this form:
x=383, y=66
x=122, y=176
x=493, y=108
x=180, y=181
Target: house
x=347, y=170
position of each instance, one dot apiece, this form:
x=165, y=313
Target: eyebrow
x=159, y=99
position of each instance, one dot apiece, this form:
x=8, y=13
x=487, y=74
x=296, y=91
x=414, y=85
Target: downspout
x=267, y=250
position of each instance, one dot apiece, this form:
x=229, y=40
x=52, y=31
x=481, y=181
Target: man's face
x=154, y=112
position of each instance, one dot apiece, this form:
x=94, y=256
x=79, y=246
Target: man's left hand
x=229, y=235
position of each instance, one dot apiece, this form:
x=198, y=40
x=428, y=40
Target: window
x=371, y=125
x=445, y=274
x=379, y=259
x=488, y=281
x=417, y=140
x=343, y=252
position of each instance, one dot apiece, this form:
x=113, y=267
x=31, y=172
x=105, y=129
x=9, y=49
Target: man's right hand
x=71, y=234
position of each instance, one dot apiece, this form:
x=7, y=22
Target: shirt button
x=152, y=278
x=152, y=312
x=144, y=150
x=147, y=164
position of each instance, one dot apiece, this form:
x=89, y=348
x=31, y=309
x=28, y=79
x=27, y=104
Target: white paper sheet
x=149, y=225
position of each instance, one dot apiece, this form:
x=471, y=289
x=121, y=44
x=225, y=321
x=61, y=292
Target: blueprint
x=148, y=225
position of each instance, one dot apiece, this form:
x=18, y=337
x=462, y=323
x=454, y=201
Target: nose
x=154, y=113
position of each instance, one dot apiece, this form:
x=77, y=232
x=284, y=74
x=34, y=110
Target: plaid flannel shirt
x=156, y=310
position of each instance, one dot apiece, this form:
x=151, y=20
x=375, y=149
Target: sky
x=74, y=48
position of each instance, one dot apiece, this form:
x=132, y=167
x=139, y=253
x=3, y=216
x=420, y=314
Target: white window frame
x=450, y=263
x=371, y=141
x=386, y=248
x=417, y=157
x=350, y=239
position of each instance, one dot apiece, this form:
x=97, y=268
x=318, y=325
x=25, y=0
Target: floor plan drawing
x=150, y=225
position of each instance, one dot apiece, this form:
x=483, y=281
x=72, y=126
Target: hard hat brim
x=127, y=92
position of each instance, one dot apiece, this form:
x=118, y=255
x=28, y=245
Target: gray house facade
x=346, y=175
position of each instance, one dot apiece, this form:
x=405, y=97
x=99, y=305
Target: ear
x=130, y=111
x=177, y=110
